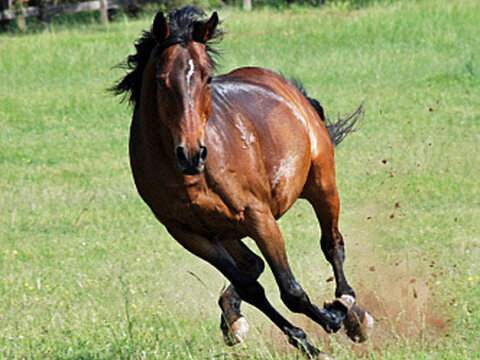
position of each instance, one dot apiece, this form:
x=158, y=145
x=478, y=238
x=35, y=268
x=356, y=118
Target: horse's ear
x=160, y=29
x=205, y=30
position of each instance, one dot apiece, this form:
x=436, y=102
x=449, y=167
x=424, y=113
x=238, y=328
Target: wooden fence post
x=247, y=5
x=21, y=23
x=104, y=11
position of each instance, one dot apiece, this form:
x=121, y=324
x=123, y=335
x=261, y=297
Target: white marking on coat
x=285, y=169
x=245, y=87
x=246, y=137
x=191, y=70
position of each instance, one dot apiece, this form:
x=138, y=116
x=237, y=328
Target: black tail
x=339, y=129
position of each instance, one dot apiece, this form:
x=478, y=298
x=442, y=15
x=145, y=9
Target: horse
x=220, y=158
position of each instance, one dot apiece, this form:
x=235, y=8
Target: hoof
x=358, y=325
x=343, y=303
x=236, y=333
x=338, y=310
x=298, y=338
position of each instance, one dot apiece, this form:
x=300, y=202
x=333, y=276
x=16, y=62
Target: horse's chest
x=194, y=205
x=205, y=212
x=204, y=208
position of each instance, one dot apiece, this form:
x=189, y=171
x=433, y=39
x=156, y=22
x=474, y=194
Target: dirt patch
x=402, y=305
x=397, y=295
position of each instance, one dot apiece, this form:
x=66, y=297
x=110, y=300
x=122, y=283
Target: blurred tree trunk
x=247, y=5
x=43, y=16
x=21, y=23
x=104, y=11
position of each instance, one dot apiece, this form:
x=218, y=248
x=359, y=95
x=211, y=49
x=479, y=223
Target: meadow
x=86, y=272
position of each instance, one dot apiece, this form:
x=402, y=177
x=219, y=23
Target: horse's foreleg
x=266, y=233
x=322, y=194
x=233, y=324
x=245, y=285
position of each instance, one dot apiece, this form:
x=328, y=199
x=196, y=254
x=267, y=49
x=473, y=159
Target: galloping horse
x=220, y=158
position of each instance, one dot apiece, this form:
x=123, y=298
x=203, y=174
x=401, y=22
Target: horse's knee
x=251, y=292
x=251, y=264
x=258, y=266
x=295, y=298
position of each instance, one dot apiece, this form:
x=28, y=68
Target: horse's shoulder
x=249, y=76
x=251, y=71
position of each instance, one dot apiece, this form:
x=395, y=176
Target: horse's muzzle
x=191, y=165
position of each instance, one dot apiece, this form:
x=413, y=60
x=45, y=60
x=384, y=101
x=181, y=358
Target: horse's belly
x=288, y=177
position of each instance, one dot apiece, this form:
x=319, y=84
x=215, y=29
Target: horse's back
x=265, y=128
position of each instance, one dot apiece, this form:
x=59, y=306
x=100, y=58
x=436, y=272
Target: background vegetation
x=136, y=9
x=86, y=272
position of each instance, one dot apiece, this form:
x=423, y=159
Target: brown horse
x=221, y=158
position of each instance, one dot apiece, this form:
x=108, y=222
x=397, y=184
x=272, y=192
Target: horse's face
x=183, y=78
x=183, y=75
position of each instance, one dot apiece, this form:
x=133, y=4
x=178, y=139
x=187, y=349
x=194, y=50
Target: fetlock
x=344, y=290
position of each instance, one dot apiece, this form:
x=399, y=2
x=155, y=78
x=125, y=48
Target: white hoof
x=240, y=329
x=236, y=333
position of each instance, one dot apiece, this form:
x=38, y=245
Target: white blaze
x=191, y=70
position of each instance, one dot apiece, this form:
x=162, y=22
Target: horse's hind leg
x=233, y=324
x=321, y=192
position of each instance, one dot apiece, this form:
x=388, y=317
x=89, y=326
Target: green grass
x=86, y=272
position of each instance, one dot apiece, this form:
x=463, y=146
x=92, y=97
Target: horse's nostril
x=202, y=153
x=181, y=154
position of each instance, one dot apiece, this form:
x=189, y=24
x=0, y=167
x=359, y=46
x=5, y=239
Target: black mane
x=181, y=23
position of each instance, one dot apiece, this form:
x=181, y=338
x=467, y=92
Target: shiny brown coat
x=221, y=158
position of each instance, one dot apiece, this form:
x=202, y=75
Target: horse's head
x=183, y=72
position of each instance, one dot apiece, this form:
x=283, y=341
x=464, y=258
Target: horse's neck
x=153, y=130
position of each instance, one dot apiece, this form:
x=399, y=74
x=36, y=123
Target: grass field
x=86, y=272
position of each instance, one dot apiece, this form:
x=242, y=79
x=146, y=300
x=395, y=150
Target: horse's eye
x=209, y=79
x=161, y=79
